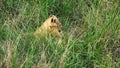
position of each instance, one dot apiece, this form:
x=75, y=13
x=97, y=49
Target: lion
x=51, y=26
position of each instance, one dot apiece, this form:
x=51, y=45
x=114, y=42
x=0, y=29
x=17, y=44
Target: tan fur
x=51, y=26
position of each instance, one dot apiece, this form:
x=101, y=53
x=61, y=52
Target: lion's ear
x=53, y=20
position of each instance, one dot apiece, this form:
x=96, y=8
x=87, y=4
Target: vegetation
x=91, y=34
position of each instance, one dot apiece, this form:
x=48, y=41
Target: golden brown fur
x=51, y=26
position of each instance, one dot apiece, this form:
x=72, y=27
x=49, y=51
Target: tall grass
x=91, y=34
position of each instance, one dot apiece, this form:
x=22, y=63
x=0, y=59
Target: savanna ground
x=91, y=34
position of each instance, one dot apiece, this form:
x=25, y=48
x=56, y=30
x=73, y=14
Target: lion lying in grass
x=51, y=26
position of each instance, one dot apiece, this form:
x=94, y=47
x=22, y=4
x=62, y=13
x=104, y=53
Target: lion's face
x=56, y=26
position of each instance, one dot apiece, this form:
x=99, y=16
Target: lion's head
x=55, y=26
x=52, y=25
